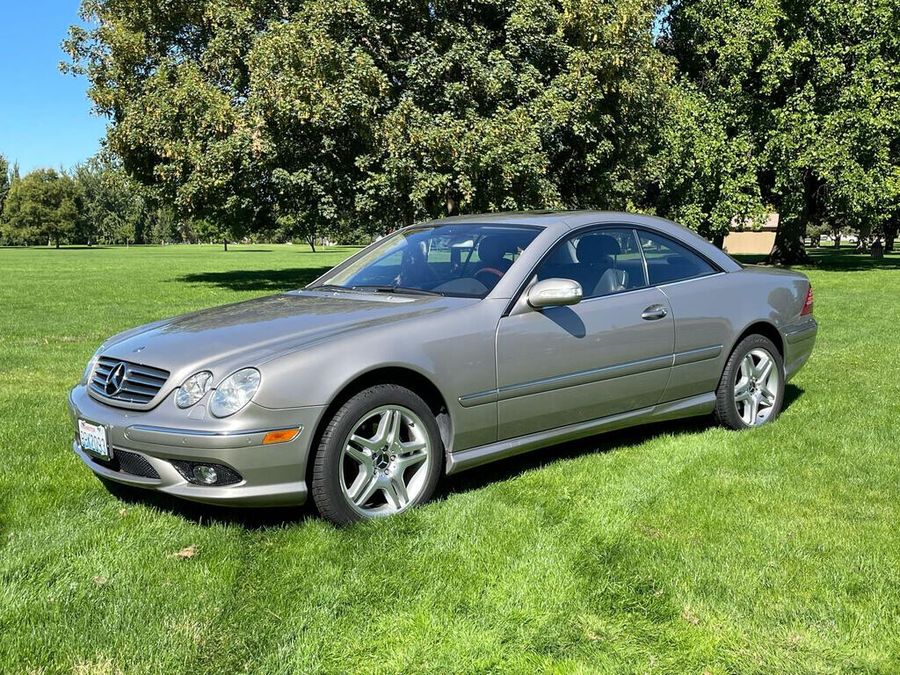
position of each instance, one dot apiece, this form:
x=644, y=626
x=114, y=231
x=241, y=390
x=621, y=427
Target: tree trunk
x=718, y=240
x=57, y=242
x=452, y=204
x=890, y=234
x=312, y=243
x=225, y=241
x=789, y=248
x=837, y=240
x=795, y=214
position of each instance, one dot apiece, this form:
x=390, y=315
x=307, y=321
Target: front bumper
x=270, y=475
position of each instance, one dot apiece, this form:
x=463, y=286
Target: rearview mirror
x=554, y=292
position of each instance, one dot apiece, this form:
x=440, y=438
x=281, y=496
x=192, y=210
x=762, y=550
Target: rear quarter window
x=669, y=261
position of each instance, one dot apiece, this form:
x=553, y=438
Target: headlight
x=89, y=368
x=193, y=389
x=234, y=392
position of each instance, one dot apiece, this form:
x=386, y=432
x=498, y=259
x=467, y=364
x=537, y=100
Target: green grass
x=680, y=547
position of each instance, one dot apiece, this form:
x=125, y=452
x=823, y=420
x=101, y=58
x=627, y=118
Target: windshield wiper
x=396, y=289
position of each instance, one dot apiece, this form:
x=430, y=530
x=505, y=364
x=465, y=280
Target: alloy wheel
x=385, y=461
x=756, y=387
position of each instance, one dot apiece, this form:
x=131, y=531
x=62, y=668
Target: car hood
x=255, y=331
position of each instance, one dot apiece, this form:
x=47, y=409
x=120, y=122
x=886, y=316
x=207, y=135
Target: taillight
x=808, y=304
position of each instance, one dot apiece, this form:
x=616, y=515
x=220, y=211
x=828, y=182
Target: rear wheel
x=380, y=454
x=751, y=391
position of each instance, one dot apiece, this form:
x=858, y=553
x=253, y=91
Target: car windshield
x=465, y=260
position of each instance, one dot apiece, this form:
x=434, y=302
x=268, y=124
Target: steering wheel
x=493, y=271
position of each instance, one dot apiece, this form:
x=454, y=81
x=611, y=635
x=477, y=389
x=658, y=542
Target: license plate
x=93, y=439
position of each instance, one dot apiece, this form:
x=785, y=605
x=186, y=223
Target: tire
x=380, y=454
x=744, y=380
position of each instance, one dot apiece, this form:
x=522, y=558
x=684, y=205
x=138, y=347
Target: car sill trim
x=470, y=458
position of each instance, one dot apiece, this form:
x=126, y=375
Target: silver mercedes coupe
x=437, y=349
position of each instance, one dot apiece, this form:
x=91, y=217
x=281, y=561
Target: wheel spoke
x=357, y=454
x=403, y=462
x=384, y=424
x=393, y=433
x=363, y=487
x=395, y=491
x=369, y=444
x=754, y=409
x=764, y=369
x=742, y=390
x=746, y=368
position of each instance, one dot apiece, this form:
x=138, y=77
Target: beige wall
x=750, y=242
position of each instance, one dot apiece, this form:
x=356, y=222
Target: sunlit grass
x=675, y=548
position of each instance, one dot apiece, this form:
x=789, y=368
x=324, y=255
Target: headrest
x=594, y=247
x=491, y=249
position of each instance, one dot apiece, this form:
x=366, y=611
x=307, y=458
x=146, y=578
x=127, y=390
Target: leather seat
x=491, y=252
x=597, y=253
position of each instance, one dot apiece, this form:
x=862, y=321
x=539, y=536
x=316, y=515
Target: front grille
x=133, y=383
x=128, y=462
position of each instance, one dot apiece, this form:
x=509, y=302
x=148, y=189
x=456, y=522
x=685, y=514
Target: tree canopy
x=40, y=207
x=332, y=111
x=814, y=86
x=306, y=117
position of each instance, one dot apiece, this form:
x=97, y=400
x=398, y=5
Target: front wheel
x=380, y=454
x=751, y=391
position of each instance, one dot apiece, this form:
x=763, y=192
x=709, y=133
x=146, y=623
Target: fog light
x=205, y=474
x=201, y=473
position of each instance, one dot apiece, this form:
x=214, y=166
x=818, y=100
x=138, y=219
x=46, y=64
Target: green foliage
x=4, y=182
x=306, y=117
x=41, y=207
x=111, y=209
x=815, y=86
x=705, y=173
x=324, y=115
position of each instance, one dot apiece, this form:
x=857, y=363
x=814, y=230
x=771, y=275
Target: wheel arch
x=401, y=376
x=767, y=330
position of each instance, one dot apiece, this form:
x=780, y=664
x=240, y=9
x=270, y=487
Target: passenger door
x=608, y=354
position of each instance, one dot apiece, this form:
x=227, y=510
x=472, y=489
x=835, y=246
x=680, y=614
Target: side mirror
x=554, y=292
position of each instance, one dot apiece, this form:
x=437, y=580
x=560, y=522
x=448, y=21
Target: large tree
x=815, y=85
x=111, y=209
x=41, y=207
x=319, y=114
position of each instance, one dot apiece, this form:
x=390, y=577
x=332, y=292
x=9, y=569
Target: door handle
x=654, y=312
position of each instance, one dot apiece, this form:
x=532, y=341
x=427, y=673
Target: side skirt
x=701, y=404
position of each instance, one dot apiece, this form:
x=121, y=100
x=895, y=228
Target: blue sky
x=45, y=116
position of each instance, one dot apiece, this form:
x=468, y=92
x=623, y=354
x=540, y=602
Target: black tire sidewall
x=726, y=410
x=327, y=493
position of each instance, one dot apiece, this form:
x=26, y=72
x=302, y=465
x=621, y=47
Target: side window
x=668, y=261
x=603, y=261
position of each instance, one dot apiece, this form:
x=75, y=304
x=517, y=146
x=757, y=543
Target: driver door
x=608, y=354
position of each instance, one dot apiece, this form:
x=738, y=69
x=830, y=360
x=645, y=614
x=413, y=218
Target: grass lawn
x=680, y=547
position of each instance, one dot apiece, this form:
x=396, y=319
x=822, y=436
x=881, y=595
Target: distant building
x=753, y=240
